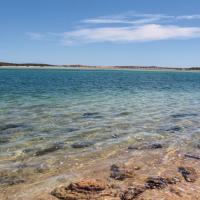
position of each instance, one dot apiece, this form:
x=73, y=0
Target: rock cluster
x=98, y=189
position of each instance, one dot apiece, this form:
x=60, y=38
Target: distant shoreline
x=102, y=68
x=6, y=65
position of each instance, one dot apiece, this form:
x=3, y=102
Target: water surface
x=44, y=114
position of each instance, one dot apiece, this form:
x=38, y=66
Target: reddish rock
x=90, y=185
x=66, y=194
x=84, y=189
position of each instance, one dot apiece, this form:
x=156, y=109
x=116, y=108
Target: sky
x=101, y=32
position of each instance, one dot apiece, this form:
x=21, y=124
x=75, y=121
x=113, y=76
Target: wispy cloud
x=126, y=28
x=135, y=18
x=188, y=17
x=128, y=18
x=150, y=32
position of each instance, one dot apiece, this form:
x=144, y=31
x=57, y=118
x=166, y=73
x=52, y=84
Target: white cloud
x=149, y=32
x=125, y=28
x=36, y=36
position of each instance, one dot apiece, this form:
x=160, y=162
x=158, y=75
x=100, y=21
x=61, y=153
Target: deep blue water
x=70, y=82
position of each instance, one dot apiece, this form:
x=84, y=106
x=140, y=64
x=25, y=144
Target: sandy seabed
x=139, y=172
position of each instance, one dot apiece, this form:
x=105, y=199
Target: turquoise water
x=45, y=113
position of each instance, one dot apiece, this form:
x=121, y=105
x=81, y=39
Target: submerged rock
x=9, y=126
x=156, y=183
x=8, y=178
x=132, y=193
x=85, y=144
x=187, y=155
x=184, y=115
x=146, y=146
x=4, y=140
x=92, y=115
x=160, y=182
x=115, y=136
x=11, y=181
x=118, y=173
x=155, y=146
x=188, y=173
x=50, y=149
x=72, y=129
x=124, y=113
x=174, y=129
x=134, y=147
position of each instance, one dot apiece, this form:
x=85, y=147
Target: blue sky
x=101, y=32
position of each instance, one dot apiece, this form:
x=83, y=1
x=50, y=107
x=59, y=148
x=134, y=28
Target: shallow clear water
x=44, y=112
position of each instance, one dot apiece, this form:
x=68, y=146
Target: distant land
x=78, y=66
